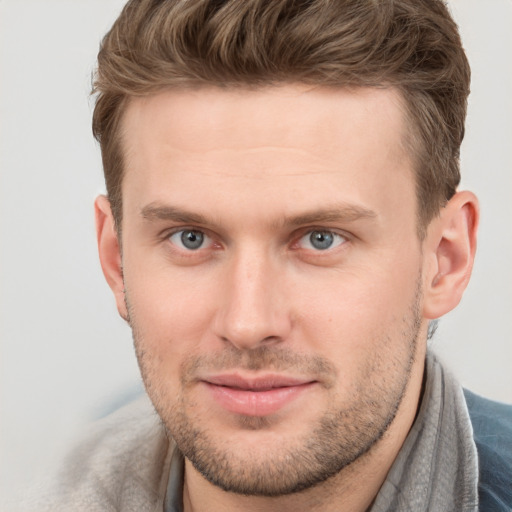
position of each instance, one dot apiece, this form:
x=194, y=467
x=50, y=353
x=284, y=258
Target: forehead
x=249, y=146
x=209, y=117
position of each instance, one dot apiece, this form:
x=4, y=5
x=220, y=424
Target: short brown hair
x=413, y=45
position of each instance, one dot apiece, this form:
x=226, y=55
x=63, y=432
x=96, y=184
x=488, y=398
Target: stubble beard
x=341, y=436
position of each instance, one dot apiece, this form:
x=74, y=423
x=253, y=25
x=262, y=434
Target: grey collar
x=437, y=466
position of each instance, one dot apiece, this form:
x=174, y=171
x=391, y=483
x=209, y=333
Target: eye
x=189, y=239
x=321, y=240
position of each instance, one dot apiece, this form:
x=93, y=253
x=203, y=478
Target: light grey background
x=65, y=354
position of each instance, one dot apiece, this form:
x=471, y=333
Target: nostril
x=270, y=339
x=263, y=341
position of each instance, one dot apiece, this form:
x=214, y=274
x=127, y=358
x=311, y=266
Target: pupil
x=321, y=239
x=192, y=239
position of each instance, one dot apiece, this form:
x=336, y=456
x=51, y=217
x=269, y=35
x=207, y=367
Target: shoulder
x=492, y=432
x=119, y=465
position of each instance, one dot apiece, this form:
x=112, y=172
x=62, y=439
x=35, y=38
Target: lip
x=255, y=396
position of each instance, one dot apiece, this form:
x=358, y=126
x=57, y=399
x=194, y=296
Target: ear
x=110, y=252
x=451, y=247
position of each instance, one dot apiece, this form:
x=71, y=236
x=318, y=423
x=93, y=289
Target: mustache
x=281, y=360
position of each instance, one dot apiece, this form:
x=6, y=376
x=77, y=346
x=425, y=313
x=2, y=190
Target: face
x=272, y=276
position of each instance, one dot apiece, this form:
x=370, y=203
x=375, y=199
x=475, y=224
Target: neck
x=353, y=489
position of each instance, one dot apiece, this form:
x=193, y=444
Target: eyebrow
x=339, y=213
x=154, y=211
x=345, y=213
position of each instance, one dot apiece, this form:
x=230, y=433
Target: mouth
x=258, y=396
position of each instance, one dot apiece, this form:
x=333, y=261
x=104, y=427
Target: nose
x=252, y=308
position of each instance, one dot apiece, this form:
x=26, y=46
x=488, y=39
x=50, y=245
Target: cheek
x=170, y=313
x=355, y=315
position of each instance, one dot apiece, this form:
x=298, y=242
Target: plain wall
x=66, y=357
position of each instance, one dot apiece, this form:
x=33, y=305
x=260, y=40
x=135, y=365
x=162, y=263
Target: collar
x=437, y=466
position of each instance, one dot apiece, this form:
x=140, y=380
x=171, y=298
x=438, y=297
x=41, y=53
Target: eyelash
x=294, y=245
x=338, y=239
x=186, y=252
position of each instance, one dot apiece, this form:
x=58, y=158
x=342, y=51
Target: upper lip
x=257, y=383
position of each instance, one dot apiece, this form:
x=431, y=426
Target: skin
x=257, y=172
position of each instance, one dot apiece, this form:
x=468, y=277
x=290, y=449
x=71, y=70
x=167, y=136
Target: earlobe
x=109, y=252
x=451, y=246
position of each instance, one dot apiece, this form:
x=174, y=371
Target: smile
x=255, y=397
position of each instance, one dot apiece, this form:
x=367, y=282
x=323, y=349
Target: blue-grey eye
x=320, y=240
x=190, y=239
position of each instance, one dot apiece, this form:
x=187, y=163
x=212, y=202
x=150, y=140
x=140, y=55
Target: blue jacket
x=492, y=431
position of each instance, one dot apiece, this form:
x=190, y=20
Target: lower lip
x=256, y=403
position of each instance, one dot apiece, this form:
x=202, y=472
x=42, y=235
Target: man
x=282, y=227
